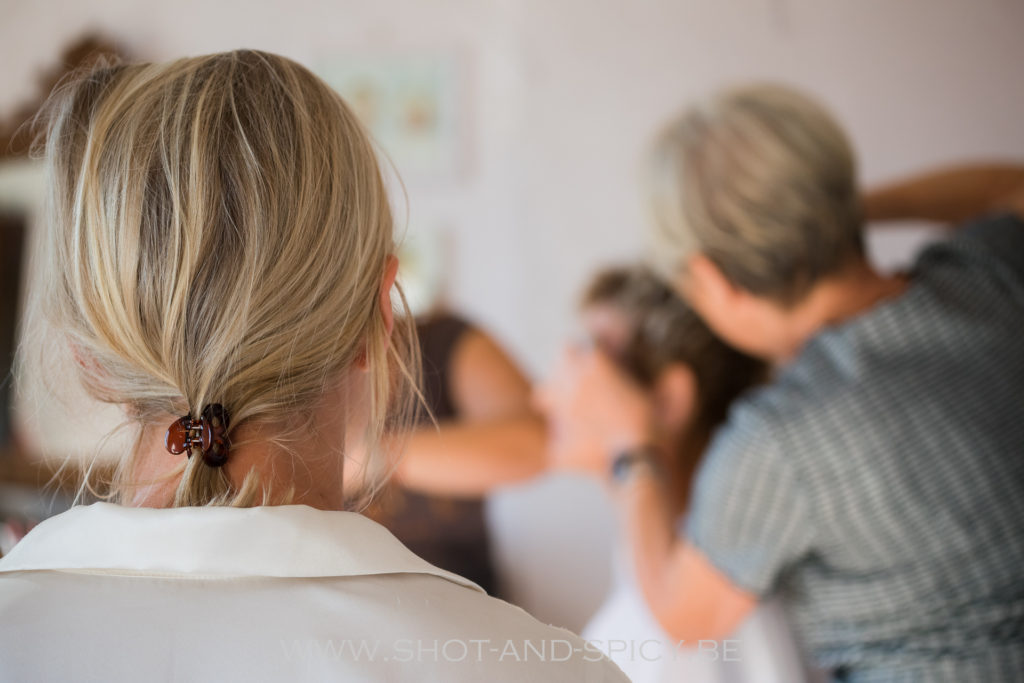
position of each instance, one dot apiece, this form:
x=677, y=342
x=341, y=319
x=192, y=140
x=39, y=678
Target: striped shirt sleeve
x=1002, y=237
x=748, y=514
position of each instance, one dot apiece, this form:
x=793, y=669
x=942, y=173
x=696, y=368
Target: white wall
x=563, y=96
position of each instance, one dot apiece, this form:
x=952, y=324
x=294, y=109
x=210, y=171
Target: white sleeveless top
x=761, y=651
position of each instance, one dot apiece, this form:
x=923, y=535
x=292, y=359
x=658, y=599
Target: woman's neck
x=301, y=465
x=308, y=472
x=856, y=290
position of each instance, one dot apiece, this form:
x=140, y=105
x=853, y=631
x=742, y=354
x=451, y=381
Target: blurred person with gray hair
x=874, y=487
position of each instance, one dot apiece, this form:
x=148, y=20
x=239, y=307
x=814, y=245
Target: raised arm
x=689, y=597
x=596, y=410
x=470, y=459
x=497, y=438
x=949, y=195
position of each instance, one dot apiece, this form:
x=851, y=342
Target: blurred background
x=517, y=128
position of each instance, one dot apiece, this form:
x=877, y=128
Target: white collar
x=277, y=541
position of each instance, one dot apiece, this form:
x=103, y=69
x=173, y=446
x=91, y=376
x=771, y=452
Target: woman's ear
x=390, y=273
x=705, y=282
x=384, y=301
x=88, y=366
x=675, y=397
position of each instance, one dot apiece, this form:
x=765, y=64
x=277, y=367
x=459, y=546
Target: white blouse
x=109, y=593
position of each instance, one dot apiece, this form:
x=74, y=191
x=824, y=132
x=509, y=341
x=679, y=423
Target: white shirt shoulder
x=261, y=594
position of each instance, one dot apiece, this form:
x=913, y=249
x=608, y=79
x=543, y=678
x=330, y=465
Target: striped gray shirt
x=877, y=487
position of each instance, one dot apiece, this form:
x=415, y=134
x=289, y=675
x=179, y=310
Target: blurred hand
x=574, y=450
x=594, y=411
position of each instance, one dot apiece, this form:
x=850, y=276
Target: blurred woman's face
x=673, y=394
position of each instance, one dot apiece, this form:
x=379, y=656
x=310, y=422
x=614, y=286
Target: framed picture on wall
x=411, y=104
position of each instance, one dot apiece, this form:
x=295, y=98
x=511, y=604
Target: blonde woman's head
x=760, y=183
x=220, y=233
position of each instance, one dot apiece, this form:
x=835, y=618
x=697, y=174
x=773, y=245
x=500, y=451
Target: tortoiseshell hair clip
x=206, y=436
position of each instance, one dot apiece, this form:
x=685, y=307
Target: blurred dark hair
x=663, y=330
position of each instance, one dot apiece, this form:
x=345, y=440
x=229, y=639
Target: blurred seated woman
x=220, y=263
x=693, y=377
x=486, y=433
